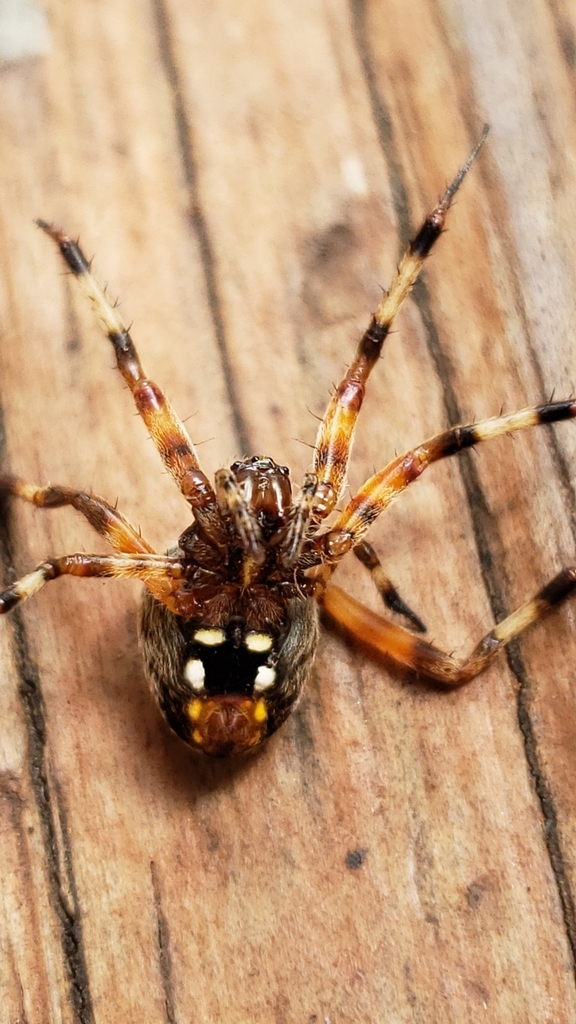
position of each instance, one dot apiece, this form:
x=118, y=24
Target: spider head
x=259, y=491
x=250, y=513
x=266, y=489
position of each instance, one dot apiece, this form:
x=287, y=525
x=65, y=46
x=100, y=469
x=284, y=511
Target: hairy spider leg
x=336, y=431
x=106, y=520
x=167, y=432
x=158, y=572
x=376, y=495
x=422, y=657
x=365, y=553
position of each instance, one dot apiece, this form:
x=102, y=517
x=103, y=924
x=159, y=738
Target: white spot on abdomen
x=209, y=637
x=258, y=642
x=194, y=673
x=265, y=677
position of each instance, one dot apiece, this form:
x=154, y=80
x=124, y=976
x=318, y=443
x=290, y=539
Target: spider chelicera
x=229, y=619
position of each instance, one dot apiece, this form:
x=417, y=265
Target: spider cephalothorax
x=229, y=621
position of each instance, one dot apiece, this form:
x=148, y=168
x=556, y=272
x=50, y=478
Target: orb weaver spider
x=229, y=619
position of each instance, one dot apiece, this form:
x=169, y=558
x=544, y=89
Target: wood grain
x=246, y=174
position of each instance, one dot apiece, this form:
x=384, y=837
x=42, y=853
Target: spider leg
x=365, y=553
x=425, y=659
x=160, y=573
x=167, y=432
x=377, y=493
x=336, y=431
x=107, y=521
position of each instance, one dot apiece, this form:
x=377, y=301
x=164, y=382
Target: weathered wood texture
x=246, y=174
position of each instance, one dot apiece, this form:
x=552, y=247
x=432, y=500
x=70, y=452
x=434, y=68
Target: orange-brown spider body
x=229, y=620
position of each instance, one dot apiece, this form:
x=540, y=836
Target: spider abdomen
x=224, y=689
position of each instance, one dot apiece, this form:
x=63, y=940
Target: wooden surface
x=246, y=173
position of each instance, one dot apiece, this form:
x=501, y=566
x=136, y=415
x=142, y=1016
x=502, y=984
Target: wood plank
x=247, y=176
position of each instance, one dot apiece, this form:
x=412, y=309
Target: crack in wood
x=163, y=938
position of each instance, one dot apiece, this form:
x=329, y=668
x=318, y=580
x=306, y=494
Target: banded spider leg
x=374, y=497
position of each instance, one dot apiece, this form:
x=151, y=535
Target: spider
x=229, y=619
